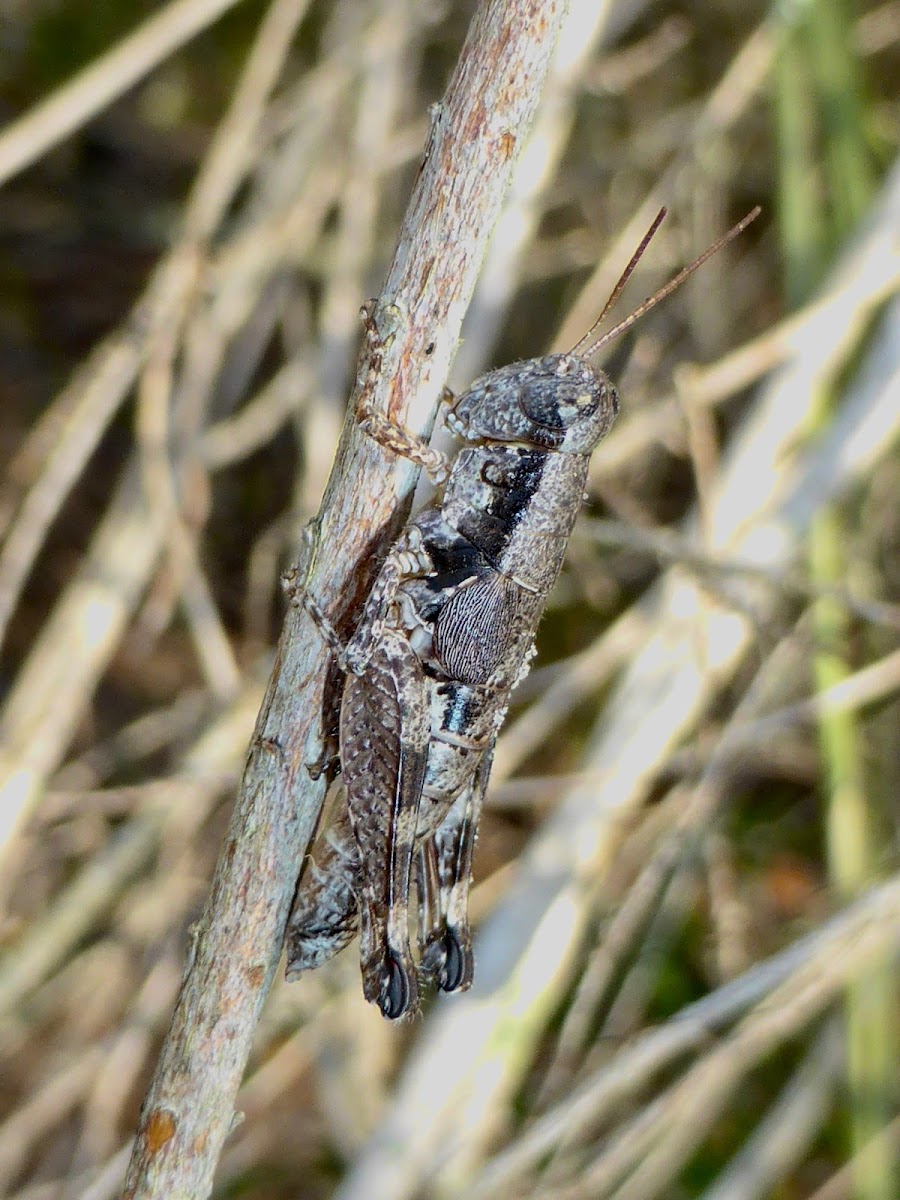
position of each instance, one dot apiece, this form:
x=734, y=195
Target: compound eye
x=541, y=405
x=548, y=408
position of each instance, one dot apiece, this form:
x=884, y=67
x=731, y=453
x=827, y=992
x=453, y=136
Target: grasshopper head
x=553, y=403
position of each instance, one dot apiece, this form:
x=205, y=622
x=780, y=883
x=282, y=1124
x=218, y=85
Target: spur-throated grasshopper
x=445, y=635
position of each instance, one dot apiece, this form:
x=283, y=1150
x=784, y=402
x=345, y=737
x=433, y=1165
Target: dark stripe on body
x=513, y=478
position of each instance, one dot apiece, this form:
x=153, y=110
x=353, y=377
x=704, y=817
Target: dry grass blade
x=784, y=1134
x=52, y=689
x=601, y=1097
x=645, y=1164
x=205, y=772
x=100, y=83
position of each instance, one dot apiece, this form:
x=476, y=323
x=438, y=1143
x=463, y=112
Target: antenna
x=623, y=279
x=664, y=292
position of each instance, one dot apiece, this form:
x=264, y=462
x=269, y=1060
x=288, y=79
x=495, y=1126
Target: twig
x=125, y=1059
x=469, y=160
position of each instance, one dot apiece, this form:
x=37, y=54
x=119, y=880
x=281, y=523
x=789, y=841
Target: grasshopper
x=445, y=635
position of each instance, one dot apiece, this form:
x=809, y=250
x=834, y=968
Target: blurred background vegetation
x=156, y=290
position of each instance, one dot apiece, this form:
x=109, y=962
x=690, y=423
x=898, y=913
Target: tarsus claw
x=396, y=992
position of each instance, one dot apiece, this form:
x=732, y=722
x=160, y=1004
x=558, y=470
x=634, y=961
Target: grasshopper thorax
x=557, y=403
